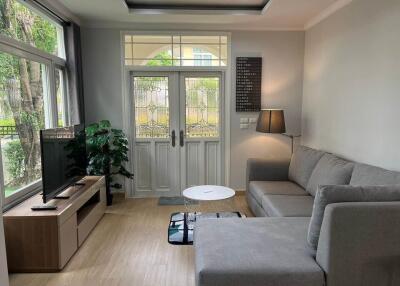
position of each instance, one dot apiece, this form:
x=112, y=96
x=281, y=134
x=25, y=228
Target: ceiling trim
x=141, y=8
x=60, y=8
x=339, y=4
x=188, y=27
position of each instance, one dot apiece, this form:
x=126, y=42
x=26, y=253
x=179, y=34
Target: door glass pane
x=202, y=106
x=22, y=100
x=151, y=107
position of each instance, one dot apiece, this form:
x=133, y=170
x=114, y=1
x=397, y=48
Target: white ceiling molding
x=59, y=8
x=188, y=27
x=339, y=4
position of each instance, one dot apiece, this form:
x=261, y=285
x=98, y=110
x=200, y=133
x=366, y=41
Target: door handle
x=173, y=137
x=181, y=143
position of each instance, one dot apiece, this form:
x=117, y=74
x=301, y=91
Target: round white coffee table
x=208, y=193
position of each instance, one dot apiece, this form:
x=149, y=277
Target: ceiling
x=280, y=15
x=197, y=6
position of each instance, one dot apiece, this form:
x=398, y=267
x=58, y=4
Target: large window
x=175, y=50
x=24, y=24
x=22, y=115
x=32, y=93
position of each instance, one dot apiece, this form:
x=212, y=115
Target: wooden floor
x=128, y=248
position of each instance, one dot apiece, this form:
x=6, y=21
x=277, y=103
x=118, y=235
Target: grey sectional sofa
x=349, y=240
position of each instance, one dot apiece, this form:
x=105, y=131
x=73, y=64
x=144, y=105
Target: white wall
x=282, y=83
x=283, y=55
x=101, y=54
x=351, y=94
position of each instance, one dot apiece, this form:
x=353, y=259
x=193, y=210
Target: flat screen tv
x=63, y=153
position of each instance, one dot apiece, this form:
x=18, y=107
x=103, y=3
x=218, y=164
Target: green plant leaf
x=105, y=124
x=107, y=150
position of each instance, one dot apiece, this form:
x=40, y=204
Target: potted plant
x=107, y=150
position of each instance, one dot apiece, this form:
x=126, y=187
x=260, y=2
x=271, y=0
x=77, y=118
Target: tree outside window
x=23, y=90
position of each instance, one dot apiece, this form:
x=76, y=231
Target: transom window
x=175, y=50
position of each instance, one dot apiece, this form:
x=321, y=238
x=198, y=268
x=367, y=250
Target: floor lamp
x=273, y=121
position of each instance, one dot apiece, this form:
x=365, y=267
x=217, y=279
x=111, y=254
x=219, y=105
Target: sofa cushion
x=288, y=206
x=339, y=194
x=330, y=170
x=366, y=175
x=256, y=252
x=260, y=188
x=302, y=164
x=255, y=206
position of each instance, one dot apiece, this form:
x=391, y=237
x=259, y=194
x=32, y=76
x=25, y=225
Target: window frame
x=51, y=63
x=181, y=44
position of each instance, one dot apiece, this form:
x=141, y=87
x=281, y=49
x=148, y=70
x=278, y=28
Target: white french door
x=177, y=131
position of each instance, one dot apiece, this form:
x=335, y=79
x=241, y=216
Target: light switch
x=244, y=120
x=244, y=126
x=253, y=120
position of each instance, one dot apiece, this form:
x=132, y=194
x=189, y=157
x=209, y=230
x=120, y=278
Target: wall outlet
x=253, y=120
x=244, y=126
x=244, y=120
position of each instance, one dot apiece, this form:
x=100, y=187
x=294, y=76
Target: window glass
x=175, y=50
x=60, y=98
x=23, y=24
x=23, y=88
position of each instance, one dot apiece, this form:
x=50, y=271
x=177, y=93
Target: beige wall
x=351, y=97
x=282, y=84
x=283, y=55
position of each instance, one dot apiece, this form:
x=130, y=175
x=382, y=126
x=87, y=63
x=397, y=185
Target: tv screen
x=63, y=158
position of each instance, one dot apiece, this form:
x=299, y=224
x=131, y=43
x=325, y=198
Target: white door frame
x=177, y=105
x=127, y=113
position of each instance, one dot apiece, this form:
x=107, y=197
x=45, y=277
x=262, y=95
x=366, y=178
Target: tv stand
x=45, y=240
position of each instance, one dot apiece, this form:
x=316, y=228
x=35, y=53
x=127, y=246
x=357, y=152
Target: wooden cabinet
x=44, y=241
x=3, y=263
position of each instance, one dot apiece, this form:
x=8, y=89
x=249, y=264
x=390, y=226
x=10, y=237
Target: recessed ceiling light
x=205, y=7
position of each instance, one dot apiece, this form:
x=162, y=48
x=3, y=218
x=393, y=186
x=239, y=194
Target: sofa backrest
x=330, y=170
x=302, y=164
x=366, y=175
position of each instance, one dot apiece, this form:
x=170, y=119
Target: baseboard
x=240, y=192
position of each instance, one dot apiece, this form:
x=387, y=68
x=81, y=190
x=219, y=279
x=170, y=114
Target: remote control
x=43, y=208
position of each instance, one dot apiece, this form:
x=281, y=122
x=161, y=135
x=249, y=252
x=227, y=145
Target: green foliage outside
x=21, y=92
x=16, y=17
x=202, y=102
x=15, y=157
x=7, y=122
x=162, y=59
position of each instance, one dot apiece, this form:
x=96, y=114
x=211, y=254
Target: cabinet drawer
x=89, y=222
x=68, y=240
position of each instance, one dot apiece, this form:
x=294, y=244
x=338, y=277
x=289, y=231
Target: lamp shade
x=271, y=121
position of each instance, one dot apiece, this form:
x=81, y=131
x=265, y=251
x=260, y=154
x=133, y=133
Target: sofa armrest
x=273, y=169
x=359, y=244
